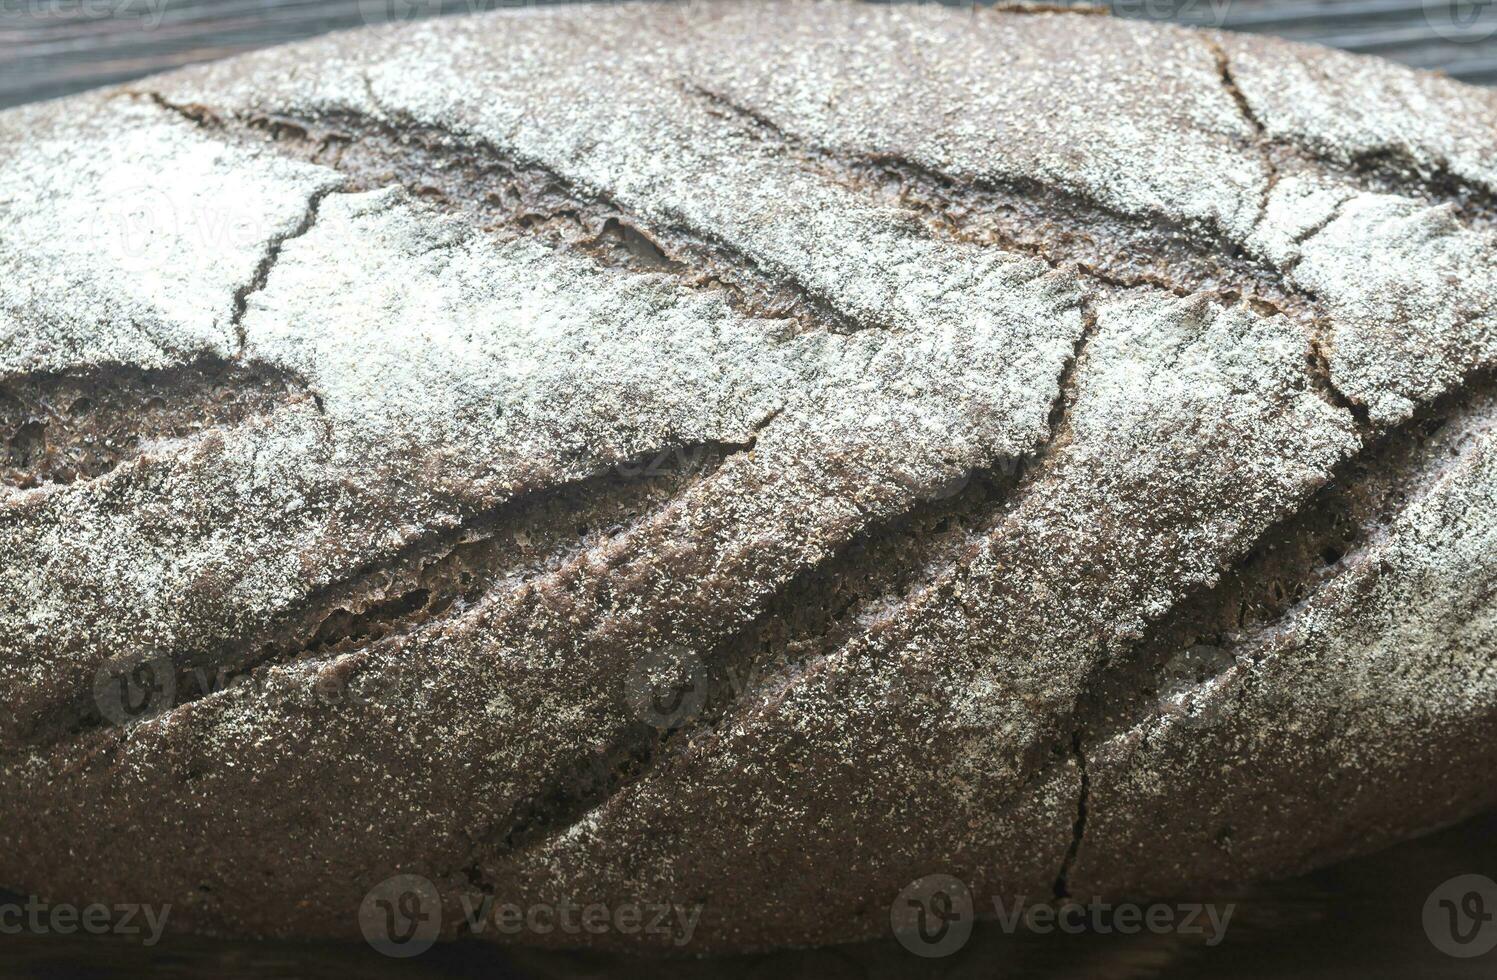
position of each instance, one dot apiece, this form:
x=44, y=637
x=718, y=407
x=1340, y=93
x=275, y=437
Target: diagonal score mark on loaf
x=866, y=425
x=1174, y=674
x=435, y=576
x=820, y=609
x=955, y=699
x=472, y=175
x=1059, y=226
x=475, y=177
x=58, y=428
x=667, y=162
x=1376, y=687
x=1289, y=566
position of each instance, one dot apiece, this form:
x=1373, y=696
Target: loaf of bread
x=742, y=458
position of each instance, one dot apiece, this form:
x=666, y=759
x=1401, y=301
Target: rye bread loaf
x=743, y=456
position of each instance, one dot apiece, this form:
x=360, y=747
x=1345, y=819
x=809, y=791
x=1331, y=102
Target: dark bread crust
x=778, y=345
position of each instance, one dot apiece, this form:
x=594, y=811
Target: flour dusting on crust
x=490, y=369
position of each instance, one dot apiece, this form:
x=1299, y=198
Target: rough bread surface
x=743, y=457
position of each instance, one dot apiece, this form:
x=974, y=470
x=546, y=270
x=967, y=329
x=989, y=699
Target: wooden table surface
x=1358, y=920
x=52, y=47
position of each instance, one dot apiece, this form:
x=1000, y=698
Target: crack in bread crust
x=506, y=195
x=267, y=264
x=1394, y=170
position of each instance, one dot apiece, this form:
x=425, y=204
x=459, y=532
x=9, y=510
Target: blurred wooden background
x=52, y=47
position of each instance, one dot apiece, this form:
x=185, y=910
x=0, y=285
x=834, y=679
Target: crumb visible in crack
x=58, y=428
x=1389, y=169
x=1324, y=383
x=1066, y=388
x=1396, y=170
x=1021, y=7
